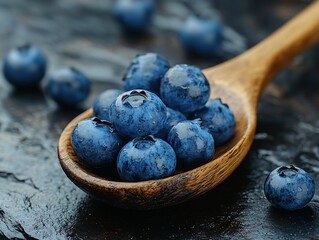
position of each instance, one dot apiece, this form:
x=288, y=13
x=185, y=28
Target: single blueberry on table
x=219, y=119
x=103, y=102
x=138, y=113
x=202, y=37
x=24, y=67
x=193, y=144
x=68, y=87
x=289, y=187
x=134, y=15
x=146, y=72
x=96, y=143
x=146, y=158
x=173, y=117
x=185, y=88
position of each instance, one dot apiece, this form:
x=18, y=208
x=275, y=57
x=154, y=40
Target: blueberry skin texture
x=134, y=15
x=145, y=159
x=24, y=67
x=103, y=102
x=173, y=117
x=96, y=143
x=202, y=37
x=193, y=144
x=185, y=88
x=146, y=72
x=68, y=87
x=289, y=188
x=138, y=113
x=219, y=119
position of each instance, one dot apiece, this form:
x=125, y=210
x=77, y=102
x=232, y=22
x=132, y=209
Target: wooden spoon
x=238, y=83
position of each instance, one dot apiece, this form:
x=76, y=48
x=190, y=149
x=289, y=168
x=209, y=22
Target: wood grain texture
x=239, y=83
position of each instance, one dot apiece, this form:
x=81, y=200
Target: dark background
x=37, y=200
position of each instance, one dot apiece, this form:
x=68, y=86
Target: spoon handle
x=252, y=70
x=282, y=46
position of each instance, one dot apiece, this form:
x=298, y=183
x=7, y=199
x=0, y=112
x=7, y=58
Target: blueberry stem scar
x=283, y=169
x=146, y=138
x=100, y=121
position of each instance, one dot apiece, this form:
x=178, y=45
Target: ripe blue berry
x=185, y=88
x=138, y=113
x=146, y=72
x=146, y=158
x=24, y=67
x=134, y=15
x=193, y=144
x=68, y=86
x=219, y=120
x=96, y=143
x=173, y=117
x=289, y=187
x=103, y=102
x=202, y=37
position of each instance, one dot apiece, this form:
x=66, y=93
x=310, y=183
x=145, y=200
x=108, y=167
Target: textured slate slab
x=37, y=201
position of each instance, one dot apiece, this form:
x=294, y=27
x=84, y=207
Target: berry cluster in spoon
x=164, y=120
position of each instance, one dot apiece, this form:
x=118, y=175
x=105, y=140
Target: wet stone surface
x=37, y=200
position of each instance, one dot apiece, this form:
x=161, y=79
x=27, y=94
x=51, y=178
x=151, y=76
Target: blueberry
x=146, y=158
x=146, y=72
x=103, y=102
x=193, y=144
x=138, y=113
x=289, y=187
x=185, y=88
x=202, y=37
x=24, y=67
x=219, y=120
x=173, y=117
x=134, y=15
x=68, y=86
x=96, y=143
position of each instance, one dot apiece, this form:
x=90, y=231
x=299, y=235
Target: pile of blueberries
x=145, y=136
x=181, y=127
x=162, y=119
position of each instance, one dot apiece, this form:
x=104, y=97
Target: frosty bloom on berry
x=138, y=113
x=289, y=187
x=193, y=144
x=146, y=158
x=219, y=119
x=185, y=88
x=146, y=72
x=96, y=143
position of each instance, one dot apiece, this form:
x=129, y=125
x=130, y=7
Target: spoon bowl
x=238, y=83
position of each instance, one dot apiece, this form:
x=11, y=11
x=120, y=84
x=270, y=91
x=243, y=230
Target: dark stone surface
x=37, y=200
